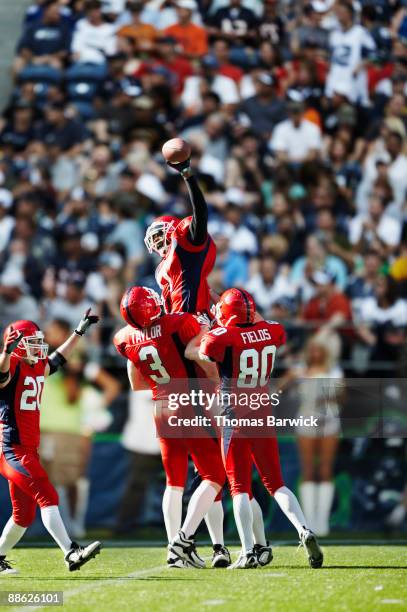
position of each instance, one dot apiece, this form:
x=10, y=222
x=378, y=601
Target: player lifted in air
x=154, y=345
x=188, y=252
x=24, y=366
x=245, y=352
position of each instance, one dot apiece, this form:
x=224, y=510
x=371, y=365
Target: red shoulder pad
x=213, y=344
x=121, y=340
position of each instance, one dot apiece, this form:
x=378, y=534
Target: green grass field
x=354, y=578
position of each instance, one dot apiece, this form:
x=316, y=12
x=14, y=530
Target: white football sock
x=199, y=504
x=81, y=506
x=258, y=523
x=214, y=523
x=308, y=497
x=172, y=511
x=325, y=497
x=63, y=506
x=52, y=521
x=12, y=533
x=291, y=508
x=242, y=510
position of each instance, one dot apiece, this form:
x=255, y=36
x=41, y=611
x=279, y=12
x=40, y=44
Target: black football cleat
x=221, y=556
x=312, y=548
x=264, y=554
x=185, y=549
x=5, y=567
x=79, y=555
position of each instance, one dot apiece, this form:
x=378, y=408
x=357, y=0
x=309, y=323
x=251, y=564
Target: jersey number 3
x=150, y=354
x=31, y=396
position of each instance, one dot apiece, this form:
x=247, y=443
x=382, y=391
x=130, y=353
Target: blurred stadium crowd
x=296, y=112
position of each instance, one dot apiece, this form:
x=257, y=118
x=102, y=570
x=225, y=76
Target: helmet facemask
x=158, y=237
x=35, y=347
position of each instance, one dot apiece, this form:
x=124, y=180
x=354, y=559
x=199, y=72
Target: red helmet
x=235, y=307
x=140, y=306
x=31, y=345
x=159, y=233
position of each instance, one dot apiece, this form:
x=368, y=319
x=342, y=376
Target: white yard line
x=98, y=584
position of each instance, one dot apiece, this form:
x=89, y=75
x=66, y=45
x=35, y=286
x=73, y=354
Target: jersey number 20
x=31, y=396
x=256, y=367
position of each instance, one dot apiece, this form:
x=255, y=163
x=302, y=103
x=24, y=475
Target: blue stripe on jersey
x=13, y=462
x=7, y=410
x=191, y=264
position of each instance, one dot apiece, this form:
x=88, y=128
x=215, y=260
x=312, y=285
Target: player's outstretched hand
x=184, y=168
x=87, y=320
x=204, y=319
x=12, y=340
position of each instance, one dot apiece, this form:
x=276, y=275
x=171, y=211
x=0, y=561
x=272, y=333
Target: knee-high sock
x=308, y=497
x=12, y=533
x=53, y=523
x=172, y=511
x=242, y=510
x=291, y=508
x=199, y=504
x=214, y=522
x=325, y=496
x=63, y=506
x=258, y=523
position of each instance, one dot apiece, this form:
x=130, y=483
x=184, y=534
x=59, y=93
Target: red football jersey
x=245, y=354
x=20, y=403
x=183, y=272
x=158, y=351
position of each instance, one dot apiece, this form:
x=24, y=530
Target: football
x=176, y=150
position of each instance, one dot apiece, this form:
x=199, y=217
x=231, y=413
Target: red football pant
x=205, y=454
x=238, y=457
x=28, y=483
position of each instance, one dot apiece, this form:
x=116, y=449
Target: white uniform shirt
x=347, y=54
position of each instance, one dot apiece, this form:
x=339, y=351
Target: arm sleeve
x=55, y=361
x=198, y=230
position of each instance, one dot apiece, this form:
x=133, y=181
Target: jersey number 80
x=255, y=367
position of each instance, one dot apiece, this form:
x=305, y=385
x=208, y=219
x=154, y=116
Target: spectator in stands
x=210, y=80
x=310, y=29
x=192, y=38
x=15, y=303
x=93, y=39
x=143, y=34
x=71, y=300
x=383, y=322
x=350, y=46
x=269, y=285
x=60, y=132
x=6, y=220
x=19, y=130
x=46, y=42
x=329, y=309
x=264, y=110
x=296, y=140
x=235, y=23
x=375, y=227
